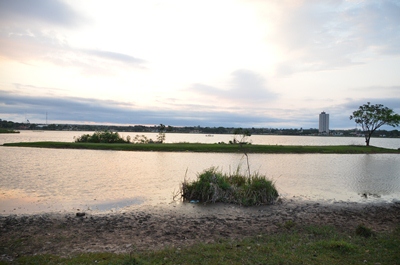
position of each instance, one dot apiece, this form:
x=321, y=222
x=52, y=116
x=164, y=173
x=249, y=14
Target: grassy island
x=213, y=148
x=214, y=186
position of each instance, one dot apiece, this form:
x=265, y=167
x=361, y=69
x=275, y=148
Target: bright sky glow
x=231, y=63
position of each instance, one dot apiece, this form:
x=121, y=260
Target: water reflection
x=114, y=205
x=35, y=180
x=375, y=176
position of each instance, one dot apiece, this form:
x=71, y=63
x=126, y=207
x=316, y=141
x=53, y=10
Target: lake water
x=37, y=180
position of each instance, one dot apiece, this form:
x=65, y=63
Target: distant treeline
x=186, y=129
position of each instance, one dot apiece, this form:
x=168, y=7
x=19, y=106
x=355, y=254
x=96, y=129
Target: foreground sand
x=177, y=225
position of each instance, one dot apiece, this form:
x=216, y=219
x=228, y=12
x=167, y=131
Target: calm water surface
x=48, y=180
x=33, y=136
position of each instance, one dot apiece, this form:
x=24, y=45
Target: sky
x=209, y=63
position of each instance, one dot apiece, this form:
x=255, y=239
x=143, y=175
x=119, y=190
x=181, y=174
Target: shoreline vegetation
x=193, y=129
x=8, y=131
x=212, y=148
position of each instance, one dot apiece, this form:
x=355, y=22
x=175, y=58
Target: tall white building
x=323, y=122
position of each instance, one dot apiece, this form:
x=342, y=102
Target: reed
x=214, y=186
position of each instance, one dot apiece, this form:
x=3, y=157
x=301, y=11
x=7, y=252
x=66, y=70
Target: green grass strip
x=8, y=131
x=215, y=148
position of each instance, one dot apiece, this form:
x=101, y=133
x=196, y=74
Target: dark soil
x=178, y=225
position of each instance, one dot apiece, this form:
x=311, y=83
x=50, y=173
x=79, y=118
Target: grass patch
x=215, y=148
x=214, y=186
x=8, y=131
x=336, y=246
x=364, y=231
x=289, y=224
x=302, y=245
x=85, y=258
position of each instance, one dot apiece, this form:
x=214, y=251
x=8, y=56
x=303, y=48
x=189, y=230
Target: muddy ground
x=178, y=226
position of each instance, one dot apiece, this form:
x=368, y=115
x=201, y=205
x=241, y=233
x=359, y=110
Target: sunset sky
x=231, y=63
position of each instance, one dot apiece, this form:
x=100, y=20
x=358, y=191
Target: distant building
x=323, y=122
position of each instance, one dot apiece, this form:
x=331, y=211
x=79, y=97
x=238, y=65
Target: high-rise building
x=323, y=122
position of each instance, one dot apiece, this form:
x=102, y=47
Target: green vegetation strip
x=8, y=131
x=216, y=148
x=293, y=245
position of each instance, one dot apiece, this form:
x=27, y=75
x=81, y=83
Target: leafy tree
x=371, y=117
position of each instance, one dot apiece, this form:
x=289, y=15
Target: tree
x=161, y=134
x=371, y=117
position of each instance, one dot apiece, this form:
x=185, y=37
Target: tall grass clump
x=214, y=186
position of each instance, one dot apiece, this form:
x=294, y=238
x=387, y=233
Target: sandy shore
x=177, y=225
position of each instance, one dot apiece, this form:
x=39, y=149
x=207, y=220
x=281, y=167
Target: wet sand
x=178, y=226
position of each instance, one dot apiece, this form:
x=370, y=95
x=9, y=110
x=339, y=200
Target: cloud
x=124, y=58
x=16, y=106
x=36, y=45
x=26, y=45
x=382, y=90
x=30, y=31
x=52, y=12
x=353, y=104
x=324, y=35
x=389, y=96
x=244, y=87
x=90, y=110
x=376, y=26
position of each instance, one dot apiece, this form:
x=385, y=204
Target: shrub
x=214, y=186
x=289, y=224
x=258, y=189
x=141, y=139
x=364, y=231
x=101, y=137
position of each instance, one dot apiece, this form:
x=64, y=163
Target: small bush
x=289, y=224
x=141, y=139
x=214, y=186
x=101, y=137
x=364, y=231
